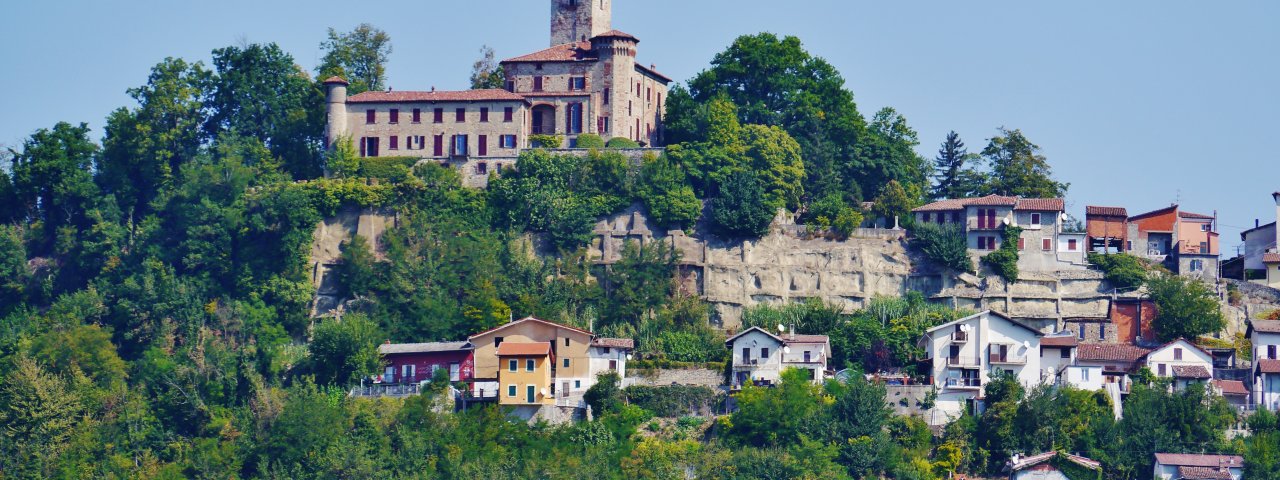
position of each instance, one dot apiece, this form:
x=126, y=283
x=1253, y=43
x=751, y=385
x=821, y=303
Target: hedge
x=674, y=400
x=386, y=168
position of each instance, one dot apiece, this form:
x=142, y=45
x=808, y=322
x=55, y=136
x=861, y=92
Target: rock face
x=326, y=250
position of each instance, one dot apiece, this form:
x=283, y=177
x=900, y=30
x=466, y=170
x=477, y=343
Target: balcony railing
x=959, y=337
x=1008, y=359
x=964, y=383
x=542, y=129
x=963, y=361
x=387, y=390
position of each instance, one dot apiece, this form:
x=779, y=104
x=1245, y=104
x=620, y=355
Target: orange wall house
x=525, y=376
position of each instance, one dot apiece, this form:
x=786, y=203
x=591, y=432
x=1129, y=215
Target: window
x=1084, y=374
x=417, y=115
x=371, y=116
x=606, y=96
x=604, y=125
x=393, y=143
x=1197, y=265
x=605, y=350
x=511, y=85
x=926, y=217
x=1035, y=219
x=1177, y=354
x=1102, y=332
x=574, y=121
x=982, y=218
x=507, y=141
x=409, y=372
x=537, y=83
x=460, y=145
x=1082, y=332
x=511, y=390
x=955, y=217
x=764, y=353
x=439, y=152
x=1046, y=244
x=1064, y=352
x=746, y=355
x=1072, y=244
x=395, y=115
x=566, y=363
x=528, y=365
x=460, y=115
x=1204, y=227
x=566, y=341
x=613, y=364
x=806, y=357
x=422, y=142
x=1128, y=245
x=484, y=114
x=577, y=384
x=369, y=147
x=638, y=92
x=513, y=365
x=497, y=341
x=508, y=114
x=1161, y=370
x=1271, y=352
x=455, y=372
x=438, y=115
x=578, y=83
x=482, y=145
x=482, y=168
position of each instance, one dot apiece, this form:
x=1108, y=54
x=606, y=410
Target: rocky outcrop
x=326, y=250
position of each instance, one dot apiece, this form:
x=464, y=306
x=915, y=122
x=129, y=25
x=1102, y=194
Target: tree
x=1124, y=271
x=955, y=179
x=1018, y=169
x=53, y=183
x=741, y=209
x=775, y=158
x=342, y=161
x=605, y=396
x=83, y=349
x=641, y=279
x=667, y=196
x=360, y=56
x=343, y=350
x=893, y=204
x=40, y=415
x=1185, y=308
x=356, y=272
x=943, y=244
x=778, y=416
x=486, y=73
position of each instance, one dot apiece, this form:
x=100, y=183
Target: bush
x=590, y=140
x=604, y=396
x=622, y=142
x=665, y=191
x=944, y=245
x=546, y=141
x=387, y=168
x=1124, y=271
x=674, y=400
x=1004, y=261
x=691, y=346
x=741, y=210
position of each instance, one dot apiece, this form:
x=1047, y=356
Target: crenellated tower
x=579, y=20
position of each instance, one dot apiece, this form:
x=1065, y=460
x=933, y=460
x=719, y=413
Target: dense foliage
x=944, y=245
x=1004, y=260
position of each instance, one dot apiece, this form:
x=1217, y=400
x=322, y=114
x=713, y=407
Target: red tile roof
x=994, y=201
x=1199, y=460
x=336, y=79
x=530, y=319
x=1269, y=366
x=517, y=349
x=1195, y=215
x=1231, y=387
x=1110, y=352
x=489, y=95
x=1042, y=204
x=623, y=343
x=1271, y=258
x=568, y=52
x=617, y=34
x=653, y=72
x=1204, y=473
x=793, y=339
x=1191, y=371
x=1059, y=341
x=1265, y=326
x=1106, y=211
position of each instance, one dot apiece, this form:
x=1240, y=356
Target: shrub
x=590, y=140
x=1004, y=261
x=622, y=142
x=674, y=400
x=387, y=168
x=741, y=210
x=944, y=245
x=1124, y=271
x=604, y=396
x=546, y=141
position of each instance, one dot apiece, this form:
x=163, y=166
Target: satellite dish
x=1006, y=221
x=628, y=356
x=1026, y=344
x=786, y=349
x=782, y=328
x=544, y=392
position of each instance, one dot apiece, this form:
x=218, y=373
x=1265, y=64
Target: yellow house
x=570, y=349
x=525, y=374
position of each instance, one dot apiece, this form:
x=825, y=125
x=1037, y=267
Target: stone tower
x=335, y=110
x=579, y=20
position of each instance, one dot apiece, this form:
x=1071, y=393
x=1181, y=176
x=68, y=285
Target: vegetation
x=1185, y=308
x=945, y=245
x=1004, y=261
x=1124, y=271
x=486, y=73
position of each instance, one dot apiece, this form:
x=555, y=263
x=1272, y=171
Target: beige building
x=588, y=81
x=573, y=357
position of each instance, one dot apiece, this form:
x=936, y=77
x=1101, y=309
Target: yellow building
x=525, y=373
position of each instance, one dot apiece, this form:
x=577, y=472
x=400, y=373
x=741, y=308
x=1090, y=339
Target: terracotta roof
x=623, y=343
x=523, y=349
x=1199, y=460
x=617, y=34
x=1045, y=204
x=943, y=205
x=793, y=339
x=1204, y=473
x=1231, y=387
x=1154, y=212
x=554, y=94
x=1110, y=352
x=490, y=95
x=1191, y=371
x=1106, y=211
x=531, y=319
x=394, y=348
x=336, y=79
x=1271, y=258
x=1195, y=215
x=568, y=52
x=1265, y=326
x=1059, y=341
x=653, y=72
x=1269, y=366
x=1034, y=460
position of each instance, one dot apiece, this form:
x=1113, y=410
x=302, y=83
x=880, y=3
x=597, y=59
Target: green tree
x=357, y=271
x=342, y=161
x=486, y=73
x=642, y=279
x=953, y=178
x=343, y=350
x=52, y=181
x=781, y=415
x=945, y=245
x=893, y=203
x=1124, y=271
x=775, y=158
x=360, y=56
x=605, y=396
x=740, y=210
x=1018, y=168
x=666, y=194
x=1185, y=308
x=83, y=349
x=40, y=415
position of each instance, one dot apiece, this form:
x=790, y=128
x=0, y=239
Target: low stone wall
x=658, y=378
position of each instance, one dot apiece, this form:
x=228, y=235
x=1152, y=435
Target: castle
x=588, y=82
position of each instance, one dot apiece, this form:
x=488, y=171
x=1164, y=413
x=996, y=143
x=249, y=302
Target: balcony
x=1007, y=359
x=542, y=130
x=959, y=337
x=964, y=383
x=963, y=361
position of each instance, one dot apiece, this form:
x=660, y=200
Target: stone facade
x=588, y=82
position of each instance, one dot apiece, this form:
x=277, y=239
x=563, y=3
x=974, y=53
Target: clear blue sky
x=1136, y=103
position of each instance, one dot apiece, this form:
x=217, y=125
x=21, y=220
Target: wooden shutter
x=482, y=143
x=439, y=148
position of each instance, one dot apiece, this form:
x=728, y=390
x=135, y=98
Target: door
x=530, y=394
x=482, y=143
x=564, y=389
x=389, y=376
x=1004, y=353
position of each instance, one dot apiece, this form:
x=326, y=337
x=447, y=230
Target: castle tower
x=617, y=51
x=579, y=20
x=335, y=110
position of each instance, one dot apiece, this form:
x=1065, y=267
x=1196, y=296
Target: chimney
x=793, y=331
x=1276, y=197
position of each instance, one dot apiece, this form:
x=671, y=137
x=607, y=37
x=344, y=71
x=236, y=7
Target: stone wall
x=661, y=378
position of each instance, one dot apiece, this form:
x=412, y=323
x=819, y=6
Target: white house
x=1043, y=467
x=1194, y=466
x=1258, y=243
x=1057, y=356
x=1265, y=336
x=1116, y=361
x=1182, y=361
x=760, y=356
x=965, y=354
x=610, y=355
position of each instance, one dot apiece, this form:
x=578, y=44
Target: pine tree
x=954, y=178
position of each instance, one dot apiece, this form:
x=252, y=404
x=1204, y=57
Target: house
x=1132, y=319
x=964, y=354
x=1194, y=466
x=1057, y=355
x=1043, y=245
x=1234, y=391
x=1182, y=361
x=1107, y=229
x=1116, y=361
x=1047, y=466
x=576, y=356
x=1265, y=338
x=1185, y=242
x=417, y=362
x=525, y=377
x=588, y=82
x=759, y=357
x=1261, y=245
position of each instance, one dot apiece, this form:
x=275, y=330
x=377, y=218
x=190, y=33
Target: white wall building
x=966, y=353
x=1176, y=466
x=760, y=356
x=1182, y=361
x=1265, y=336
x=610, y=355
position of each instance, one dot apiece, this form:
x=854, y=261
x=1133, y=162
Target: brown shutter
x=483, y=145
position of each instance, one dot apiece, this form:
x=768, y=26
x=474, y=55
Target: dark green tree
x=740, y=210
x=1018, y=168
x=954, y=176
x=1185, y=308
x=643, y=278
x=359, y=56
x=667, y=196
x=53, y=184
x=343, y=350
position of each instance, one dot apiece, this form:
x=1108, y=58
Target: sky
x=1138, y=104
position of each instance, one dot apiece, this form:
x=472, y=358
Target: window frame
x=513, y=365
x=371, y=116
x=530, y=365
